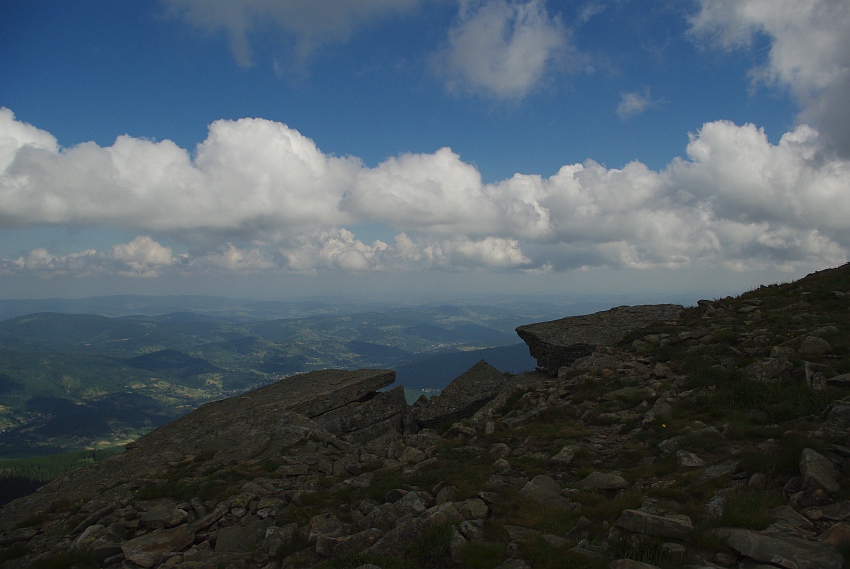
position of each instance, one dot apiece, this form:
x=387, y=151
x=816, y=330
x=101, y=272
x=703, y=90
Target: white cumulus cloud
x=501, y=48
x=809, y=52
x=259, y=196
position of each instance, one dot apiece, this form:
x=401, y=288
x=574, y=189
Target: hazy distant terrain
x=71, y=380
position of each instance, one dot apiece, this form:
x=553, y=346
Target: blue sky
x=383, y=147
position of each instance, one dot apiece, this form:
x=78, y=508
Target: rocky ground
x=716, y=439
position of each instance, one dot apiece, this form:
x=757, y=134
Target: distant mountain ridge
x=181, y=359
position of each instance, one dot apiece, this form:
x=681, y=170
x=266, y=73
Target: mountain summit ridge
x=710, y=436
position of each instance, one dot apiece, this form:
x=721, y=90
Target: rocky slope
x=713, y=436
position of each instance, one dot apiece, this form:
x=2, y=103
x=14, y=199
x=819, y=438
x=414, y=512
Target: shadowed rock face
x=559, y=343
x=258, y=424
x=465, y=395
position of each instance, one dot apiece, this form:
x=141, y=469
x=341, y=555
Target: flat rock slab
x=559, y=343
x=147, y=550
x=265, y=415
x=837, y=512
x=359, y=415
x=242, y=538
x=465, y=395
x=784, y=552
x=818, y=471
x=603, y=481
x=671, y=527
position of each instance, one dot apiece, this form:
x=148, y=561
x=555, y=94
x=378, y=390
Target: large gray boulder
x=559, y=343
x=465, y=395
x=670, y=526
x=784, y=552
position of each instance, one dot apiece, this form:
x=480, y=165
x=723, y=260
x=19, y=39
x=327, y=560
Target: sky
x=405, y=149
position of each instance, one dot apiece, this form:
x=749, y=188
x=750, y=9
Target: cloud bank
x=258, y=196
x=809, y=53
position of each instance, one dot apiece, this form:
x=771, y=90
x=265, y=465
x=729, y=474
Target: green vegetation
x=74, y=381
x=80, y=558
x=647, y=549
x=748, y=508
x=19, y=477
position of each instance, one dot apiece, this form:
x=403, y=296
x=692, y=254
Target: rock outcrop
x=664, y=451
x=559, y=343
x=330, y=404
x=465, y=395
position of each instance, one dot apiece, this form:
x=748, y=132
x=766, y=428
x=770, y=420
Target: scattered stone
x=564, y=457
x=148, y=550
x=818, y=471
x=842, y=380
x=242, y=538
x=812, y=346
x=603, y=481
x=501, y=466
x=661, y=411
x=788, y=515
x=837, y=512
x=397, y=541
x=838, y=536
x=689, y=459
x=636, y=394
x=784, y=552
x=544, y=490
x=520, y=533
x=725, y=468
x=671, y=526
x=163, y=516
x=472, y=529
x=472, y=509
x=768, y=369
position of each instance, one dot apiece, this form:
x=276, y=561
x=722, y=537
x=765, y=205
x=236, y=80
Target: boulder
x=837, y=512
x=818, y=471
x=397, y=541
x=545, y=491
x=603, y=481
x=689, y=459
x=768, y=369
x=564, y=457
x=784, y=552
x=358, y=415
x=148, y=550
x=812, y=346
x=242, y=538
x=465, y=395
x=670, y=527
x=163, y=516
x=559, y=343
x=789, y=516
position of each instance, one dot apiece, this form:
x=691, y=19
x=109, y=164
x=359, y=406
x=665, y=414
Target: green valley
x=72, y=381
